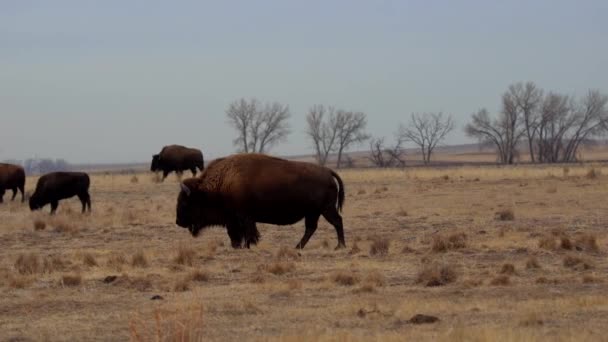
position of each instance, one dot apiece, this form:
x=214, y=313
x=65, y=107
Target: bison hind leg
x=333, y=217
x=311, y=223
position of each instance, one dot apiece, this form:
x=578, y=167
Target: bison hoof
x=340, y=246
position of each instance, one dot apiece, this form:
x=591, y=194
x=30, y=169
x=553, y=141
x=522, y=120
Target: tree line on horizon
x=552, y=125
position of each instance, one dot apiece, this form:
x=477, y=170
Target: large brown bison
x=177, y=158
x=12, y=177
x=241, y=190
x=55, y=186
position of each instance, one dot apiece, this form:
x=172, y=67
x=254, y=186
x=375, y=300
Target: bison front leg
x=1, y=195
x=193, y=170
x=54, y=205
x=14, y=194
x=165, y=174
x=236, y=235
x=311, y=223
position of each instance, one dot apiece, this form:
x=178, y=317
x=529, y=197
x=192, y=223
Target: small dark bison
x=12, y=177
x=241, y=190
x=55, y=186
x=177, y=158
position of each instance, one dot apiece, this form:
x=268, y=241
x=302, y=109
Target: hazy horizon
x=114, y=82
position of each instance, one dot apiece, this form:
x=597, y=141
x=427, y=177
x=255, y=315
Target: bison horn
x=185, y=189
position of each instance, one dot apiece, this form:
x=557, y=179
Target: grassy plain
x=517, y=253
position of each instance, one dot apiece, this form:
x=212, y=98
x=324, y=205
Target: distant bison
x=55, y=186
x=177, y=158
x=241, y=190
x=12, y=177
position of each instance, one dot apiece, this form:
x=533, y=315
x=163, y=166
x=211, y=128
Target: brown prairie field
x=517, y=253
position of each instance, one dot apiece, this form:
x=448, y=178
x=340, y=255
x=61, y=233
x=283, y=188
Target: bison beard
x=239, y=191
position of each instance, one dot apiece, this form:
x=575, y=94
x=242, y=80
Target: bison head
x=35, y=202
x=190, y=207
x=155, y=166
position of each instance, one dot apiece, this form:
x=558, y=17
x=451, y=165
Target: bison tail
x=340, y=190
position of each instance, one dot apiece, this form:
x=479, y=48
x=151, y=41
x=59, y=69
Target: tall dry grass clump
x=345, y=278
x=71, y=280
x=379, y=247
x=28, y=264
x=586, y=243
x=185, y=256
x=63, y=225
x=116, y=261
x=39, y=224
x=89, y=260
x=443, y=243
x=184, y=325
x=139, y=259
x=435, y=274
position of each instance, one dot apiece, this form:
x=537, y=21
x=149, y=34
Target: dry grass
x=345, y=278
x=71, y=280
x=593, y=173
x=199, y=276
x=182, y=285
x=89, y=260
x=451, y=242
x=548, y=243
x=185, y=256
x=505, y=215
x=435, y=274
x=184, y=324
x=139, y=260
x=379, y=247
x=286, y=253
x=577, y=263
x=279, y=268
x=532, y=263
x=39, y=224
x=28, y=264
x=508, y=269
x=501, y=280
x=63, y=225
x=116, y=261
x=273, y=291
x=586, y=243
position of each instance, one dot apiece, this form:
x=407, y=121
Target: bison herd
x=235, y=192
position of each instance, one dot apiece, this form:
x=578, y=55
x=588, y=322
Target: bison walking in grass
x=12, y=177
x=241, y=190
x=177, y=158
x=55, y=186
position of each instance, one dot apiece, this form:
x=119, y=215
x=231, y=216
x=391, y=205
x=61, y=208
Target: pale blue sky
x=113, y=81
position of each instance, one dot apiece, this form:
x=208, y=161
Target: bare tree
x=555, y=120
x=555, y=125
x=427, y=130
x=322, y=130
x=526, y=99
x=382, y=156
x=351, y=126
x=590, y=119
x=259, y=127
x=334, y=131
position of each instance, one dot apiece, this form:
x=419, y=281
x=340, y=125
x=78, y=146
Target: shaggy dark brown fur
x=241, y=190
x=177, y=158
x=12, y=177
x=56, y=186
